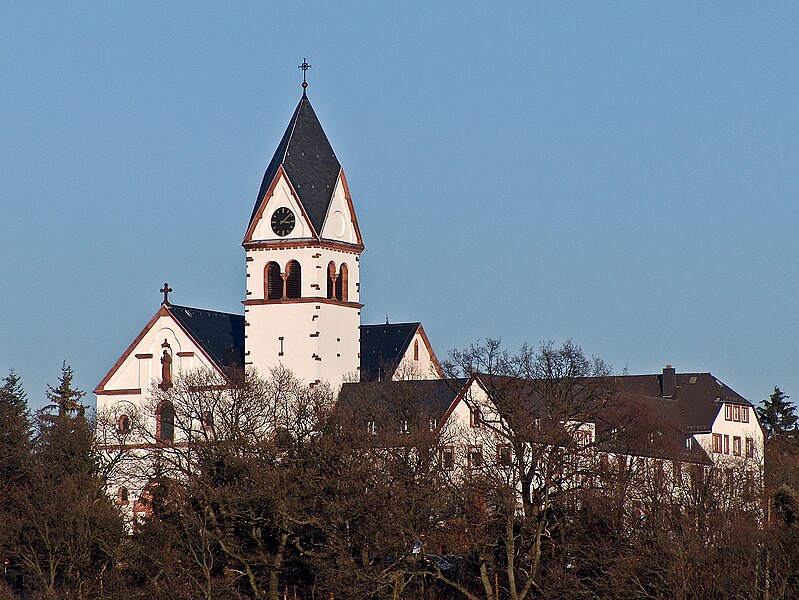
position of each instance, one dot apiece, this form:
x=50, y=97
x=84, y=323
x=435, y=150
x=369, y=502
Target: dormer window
x=433, y=424
x=371, y=427
x=688, y=443
x=404, y=427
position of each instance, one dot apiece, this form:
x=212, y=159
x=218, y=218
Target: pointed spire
x=308, y=159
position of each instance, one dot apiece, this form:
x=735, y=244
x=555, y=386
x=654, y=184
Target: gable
x=194, y=338
x=382, y=349
x=340, y=223
x=279, y=194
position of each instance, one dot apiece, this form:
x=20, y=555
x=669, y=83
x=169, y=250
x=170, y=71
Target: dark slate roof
x=698, y=396
x=220, y=335
x=309, y=161
x=409, y=399
x=382, y=349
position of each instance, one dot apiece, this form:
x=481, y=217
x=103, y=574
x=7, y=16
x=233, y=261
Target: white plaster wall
x=734, y=428
x=329, y=356
x=140, y=373
x=416, y=369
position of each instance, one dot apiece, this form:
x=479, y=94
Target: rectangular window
x=750, y=448
x=688, y=443
x=736, y=412
x=280, y=352
x=505, y=455
x=728, y=412
x=474, y=457
x=475, y=418
x=717, y=443
x=448, y=458
x=745, y=414
x=726, y=444
x=433, y=424
x=371, y=427
x=736, y=445
x=583, y=438
x=404, y=428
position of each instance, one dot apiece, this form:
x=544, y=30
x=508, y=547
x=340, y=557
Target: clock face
x=283, y=221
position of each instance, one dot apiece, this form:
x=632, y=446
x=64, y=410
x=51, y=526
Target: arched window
x=331, y=280
x=165, y=422
x=341, y=283
x=122, y=496
x=273, y=282
x=123, y=424
x=293, y=280
x=207, y=421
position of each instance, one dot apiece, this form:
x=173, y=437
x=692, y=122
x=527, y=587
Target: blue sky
x=621, y=174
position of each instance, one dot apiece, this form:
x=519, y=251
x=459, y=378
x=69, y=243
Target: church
x=301, y=308
x=302, y=311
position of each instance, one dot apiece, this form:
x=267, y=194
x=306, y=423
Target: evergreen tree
x=778, y=415
x=64, y=397
x=15, y=431
x=71, y=531
x=16, y=468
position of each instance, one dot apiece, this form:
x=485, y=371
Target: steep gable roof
x=382, y=349
x=219, y=334
x=309, y=162
x=698, y=396
x=424, y=398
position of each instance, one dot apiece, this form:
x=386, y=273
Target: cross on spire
x=165, y=291
x=304, y=66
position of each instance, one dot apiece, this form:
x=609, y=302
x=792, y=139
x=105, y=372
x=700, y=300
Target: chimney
x=669, y=382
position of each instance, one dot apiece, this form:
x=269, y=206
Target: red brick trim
x=303, y=243
x=433, y=358
x=100, y=392
x=301, y=301
x=352, y=210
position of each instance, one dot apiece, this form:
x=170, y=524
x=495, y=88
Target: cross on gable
x=165, y=291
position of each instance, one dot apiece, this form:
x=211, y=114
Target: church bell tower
x=303, y=248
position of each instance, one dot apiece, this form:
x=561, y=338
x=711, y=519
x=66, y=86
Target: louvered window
x=274, y=282
x=331, y=280
x=293, y=280
x=341, y=284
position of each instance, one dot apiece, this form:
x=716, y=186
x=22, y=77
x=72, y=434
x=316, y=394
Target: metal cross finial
x=165, y=291
x=304, y=66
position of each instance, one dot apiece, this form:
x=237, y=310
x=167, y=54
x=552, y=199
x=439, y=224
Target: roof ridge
x=219, y=312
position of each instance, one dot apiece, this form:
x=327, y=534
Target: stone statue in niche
x=166, y=367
